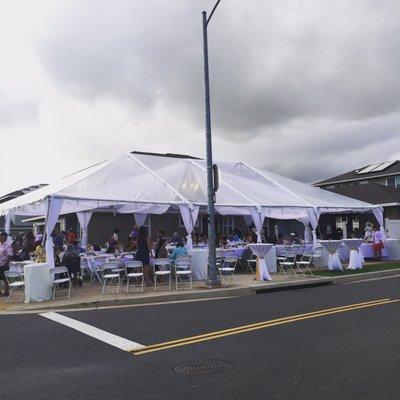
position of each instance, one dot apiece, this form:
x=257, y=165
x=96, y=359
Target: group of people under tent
x=67, y=248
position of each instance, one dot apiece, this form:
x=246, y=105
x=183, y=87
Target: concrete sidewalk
x=89, y=295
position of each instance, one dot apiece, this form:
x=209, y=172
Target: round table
x=355, y=260
x=261, y=250
x=38, y=284
x=332, y=247
x=199, y=263
x=393, y=248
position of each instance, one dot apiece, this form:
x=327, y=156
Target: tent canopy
x=140, y=183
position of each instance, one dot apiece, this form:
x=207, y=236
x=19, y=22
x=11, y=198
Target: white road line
x=94, y=332
x=373, y=279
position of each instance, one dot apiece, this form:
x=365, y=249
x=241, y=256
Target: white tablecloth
x=332, y=247
x=355, y=258
x=38, y=286
x=393, y=248
x=199, y=262
x=261, y=250
x=367, y=251
x=18, y=266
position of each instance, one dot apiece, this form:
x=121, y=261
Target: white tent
x=147, y=184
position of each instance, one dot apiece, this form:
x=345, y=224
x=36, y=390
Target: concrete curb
x=202, y=295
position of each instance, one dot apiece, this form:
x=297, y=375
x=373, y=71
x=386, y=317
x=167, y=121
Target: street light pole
x=212, y=279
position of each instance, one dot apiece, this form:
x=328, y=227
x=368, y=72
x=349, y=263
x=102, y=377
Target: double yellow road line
x=260, y=325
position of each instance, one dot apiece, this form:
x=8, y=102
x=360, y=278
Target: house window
x=393, y=181
x=363, y=182
x=330, y=187
x=226, y=225
x=339, y=221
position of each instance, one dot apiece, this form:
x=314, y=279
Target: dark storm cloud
x=312, y=75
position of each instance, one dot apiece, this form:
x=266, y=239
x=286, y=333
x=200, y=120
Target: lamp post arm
x=212, y=12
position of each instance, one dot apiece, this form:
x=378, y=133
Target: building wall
x=392, y=212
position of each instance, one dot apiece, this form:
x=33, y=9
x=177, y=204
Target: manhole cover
x=202, y=367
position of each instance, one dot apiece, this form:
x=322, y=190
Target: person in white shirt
x=377, y=238
x=6, y=253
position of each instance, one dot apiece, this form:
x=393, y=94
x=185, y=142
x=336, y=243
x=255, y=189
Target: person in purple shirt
x=134, y=233
x=6, y=253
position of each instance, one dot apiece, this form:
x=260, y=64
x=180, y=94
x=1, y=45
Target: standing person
x=143, y=253
x=58, y=239
x=71, y=238
x=159, y=250
x=6, y=253
x=38, y=238
x=377, y=238
x=134, y=233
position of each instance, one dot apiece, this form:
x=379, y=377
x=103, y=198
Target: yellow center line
x=260, y=325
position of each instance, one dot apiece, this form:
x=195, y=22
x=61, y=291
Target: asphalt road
x=348, y=355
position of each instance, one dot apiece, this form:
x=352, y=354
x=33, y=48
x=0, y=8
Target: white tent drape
x=7, y=223
x=313, y=217
x=84, y=219
x=378, y=214
x=258, y=216
x=140, y=218
x=53, y=206
x=189, y=217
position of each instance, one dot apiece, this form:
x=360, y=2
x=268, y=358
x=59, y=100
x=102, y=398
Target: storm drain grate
x=202, y=367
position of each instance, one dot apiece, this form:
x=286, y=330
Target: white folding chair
x=228, y=267
x=15, y=283
x=134, y=271
x=110, y=275
x=117, y=266
x=282, y=253
x=162, y=270
x=219, y=257
x=305, y=262
x=183, y=271
x=317, y=257
x=288, y=263
x=252, y=264
x=60, y=276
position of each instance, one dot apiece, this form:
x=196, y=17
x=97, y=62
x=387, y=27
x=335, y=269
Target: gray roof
x=20, y=192
x=393, y=169
x=371, y=193
x=171, y=155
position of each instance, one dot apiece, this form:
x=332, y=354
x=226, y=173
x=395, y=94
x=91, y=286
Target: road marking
x=259, y=325
x=96, y=333
x=373, y=279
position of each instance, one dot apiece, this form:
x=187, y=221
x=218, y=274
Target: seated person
x=96, y=247
x=222, y=241
x=72, y=261
x=40, y=254
x=203, y=240
x=130, y=245
x=174, y=238
x=178, y=251
x=280, y=239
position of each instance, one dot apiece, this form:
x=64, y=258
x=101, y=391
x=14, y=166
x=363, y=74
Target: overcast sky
x=305, y=88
